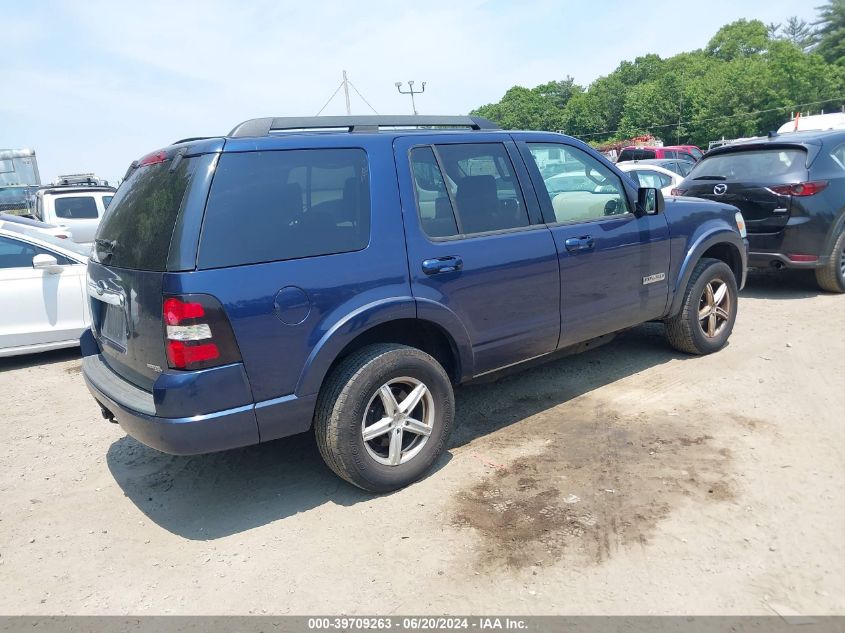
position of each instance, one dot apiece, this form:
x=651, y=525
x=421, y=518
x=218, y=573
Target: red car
x=684, y=152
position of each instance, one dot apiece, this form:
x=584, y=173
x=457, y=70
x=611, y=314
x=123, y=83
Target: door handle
x=584, y=243
x=448, y=264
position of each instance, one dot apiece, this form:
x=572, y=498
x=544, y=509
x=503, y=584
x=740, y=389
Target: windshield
x=136, y=230
x=767, y=164
x=65, y=244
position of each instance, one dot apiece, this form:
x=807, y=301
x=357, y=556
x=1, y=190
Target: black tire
x=353, y=390
x=831, y=276
x=684, y=330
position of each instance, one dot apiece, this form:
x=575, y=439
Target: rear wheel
x=831, y=276
x=383, y=416
x=708, y=311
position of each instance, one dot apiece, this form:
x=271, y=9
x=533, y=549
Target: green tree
x=831, y=32
x=739, y=39
x=799, y=32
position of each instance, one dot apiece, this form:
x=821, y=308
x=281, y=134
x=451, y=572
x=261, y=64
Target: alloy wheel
x=398, y=421
x=714, y=308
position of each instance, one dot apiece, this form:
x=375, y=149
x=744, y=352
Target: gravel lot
x=630, y=479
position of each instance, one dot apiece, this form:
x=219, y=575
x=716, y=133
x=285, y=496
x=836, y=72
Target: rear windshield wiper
x=710, y=178
x=107, y=247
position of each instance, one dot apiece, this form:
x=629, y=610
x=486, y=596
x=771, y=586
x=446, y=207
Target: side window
x=106, y=201
x=19, y=254
x=76, y=208
x=436, y=214
x=484, y=188
x=583, y=189
x=839, y=156
x=670, y=153
x=654, y=179
x=684, y=167
x=286, y=204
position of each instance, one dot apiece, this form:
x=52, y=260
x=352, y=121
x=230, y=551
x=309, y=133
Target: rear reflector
x=802, y=258
x=197, y=334
x=800, y=189
x=181, y=356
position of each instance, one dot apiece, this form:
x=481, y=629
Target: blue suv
x=344, y=274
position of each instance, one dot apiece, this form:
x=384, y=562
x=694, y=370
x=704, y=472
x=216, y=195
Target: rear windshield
x=136, y=229
x=636, y=154
x=76, y=208
x=767, y=164
x=285, y=204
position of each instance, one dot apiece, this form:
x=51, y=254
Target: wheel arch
x=439, y=334
x=720, y=243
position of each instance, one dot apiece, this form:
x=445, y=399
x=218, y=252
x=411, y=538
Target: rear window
x=286, y=204
x=135, y=231
x=76, y=208
x=768, y=165
x=636, y=154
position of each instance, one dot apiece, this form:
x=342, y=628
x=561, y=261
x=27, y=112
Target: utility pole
x=411, y=92
x=346, y=93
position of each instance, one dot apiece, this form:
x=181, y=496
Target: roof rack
x=370, y=123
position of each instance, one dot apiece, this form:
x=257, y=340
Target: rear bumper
x=134, y=410
x=771, y=259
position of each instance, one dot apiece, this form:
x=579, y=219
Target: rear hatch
x=155, y=212
x=746, y=177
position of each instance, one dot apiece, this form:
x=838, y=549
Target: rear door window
x=286, y=204
x=76, y=208
x=753, y=165
x=437, y=216
x=483, y=190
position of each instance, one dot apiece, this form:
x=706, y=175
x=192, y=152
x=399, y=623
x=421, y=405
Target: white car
x=36, y=225
x=78, y=208
x=652, y=176
x=43, y=294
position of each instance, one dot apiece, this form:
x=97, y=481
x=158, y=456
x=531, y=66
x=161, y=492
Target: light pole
x=411, y=92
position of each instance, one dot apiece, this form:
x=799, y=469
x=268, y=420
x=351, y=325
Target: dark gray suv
x=791, y=191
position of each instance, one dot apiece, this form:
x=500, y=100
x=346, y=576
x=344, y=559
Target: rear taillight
x=677, y=192
x=801, y=189
x=197, y=333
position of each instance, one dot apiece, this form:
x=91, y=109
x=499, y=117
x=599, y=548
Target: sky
x=93, y=85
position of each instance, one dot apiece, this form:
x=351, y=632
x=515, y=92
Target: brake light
x=801, y=189
x=176, y=311
x=677, y=192
x=153, y=159
x=197, y=333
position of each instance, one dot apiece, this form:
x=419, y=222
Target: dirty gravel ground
x=630, y=479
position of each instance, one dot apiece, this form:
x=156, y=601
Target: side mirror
x=47, y=263
x=649, y=201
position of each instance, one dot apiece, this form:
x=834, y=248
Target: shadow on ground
x=781, y=284
x=43, y=358
x=212, y=496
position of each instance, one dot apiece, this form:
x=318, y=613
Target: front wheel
x=831, y=276
x=708, y=311
x=384, y=416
